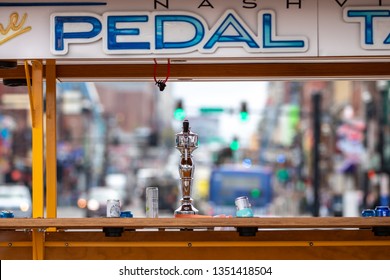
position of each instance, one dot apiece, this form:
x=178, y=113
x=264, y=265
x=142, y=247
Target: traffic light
x=293, y=116
x=244, y=115
x=211, y=110
x=179, y=113
x=255, y=193
x=235, y=144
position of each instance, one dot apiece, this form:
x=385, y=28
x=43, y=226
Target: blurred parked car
x=16, y=198
x=95, y=201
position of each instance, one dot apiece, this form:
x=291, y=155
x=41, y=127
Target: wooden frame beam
x=219, y=71
x=51, y=140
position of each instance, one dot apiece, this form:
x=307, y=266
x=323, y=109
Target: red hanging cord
x=160, y=83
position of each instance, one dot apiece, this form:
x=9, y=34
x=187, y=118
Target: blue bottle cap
x=126, y=214
x=382, y=211
x=7, y=214
x=368, y=213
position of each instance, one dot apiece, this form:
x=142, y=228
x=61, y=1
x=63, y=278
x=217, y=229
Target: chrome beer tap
x=186, y=143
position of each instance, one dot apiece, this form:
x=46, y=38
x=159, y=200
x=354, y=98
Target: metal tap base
x=186, y=208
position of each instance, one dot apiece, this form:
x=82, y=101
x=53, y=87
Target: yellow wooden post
x=51, y=139
x=37, y=156
x=37, y=143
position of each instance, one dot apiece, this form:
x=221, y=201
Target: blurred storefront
x=353, y=143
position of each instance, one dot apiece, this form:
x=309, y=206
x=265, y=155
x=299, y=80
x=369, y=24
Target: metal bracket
x=113, y=231
x=247, y=231
x=381, y=231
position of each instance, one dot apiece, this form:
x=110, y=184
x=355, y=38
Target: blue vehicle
x=229, y=182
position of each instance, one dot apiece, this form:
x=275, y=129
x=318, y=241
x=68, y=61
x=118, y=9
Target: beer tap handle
x=186, y=130
x=186, y=126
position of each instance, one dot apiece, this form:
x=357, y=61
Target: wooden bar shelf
x=281, y=238
x=147, y=223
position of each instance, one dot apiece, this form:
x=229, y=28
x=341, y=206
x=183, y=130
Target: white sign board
x=206, y=29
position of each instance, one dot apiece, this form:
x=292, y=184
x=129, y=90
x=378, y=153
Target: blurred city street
x=323, y=154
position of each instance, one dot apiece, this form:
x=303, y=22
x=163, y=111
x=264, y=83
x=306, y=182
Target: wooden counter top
x=191, y=223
